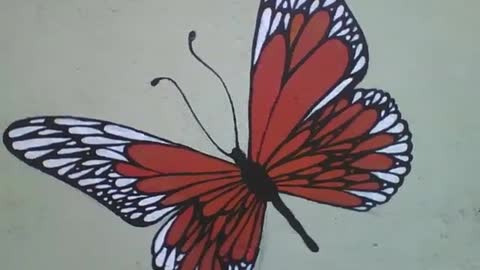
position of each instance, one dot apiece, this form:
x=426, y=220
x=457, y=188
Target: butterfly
x=312, y=134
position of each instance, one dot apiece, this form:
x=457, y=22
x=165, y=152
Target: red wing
x=230, y=240
x=139, y=177
x=305, y=53
x=353, y=153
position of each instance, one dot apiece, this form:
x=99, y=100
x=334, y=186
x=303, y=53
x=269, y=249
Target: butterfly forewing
x=305, y=54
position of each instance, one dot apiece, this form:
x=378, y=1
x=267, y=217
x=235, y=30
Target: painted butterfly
x=312, y=135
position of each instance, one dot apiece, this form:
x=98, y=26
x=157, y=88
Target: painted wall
x=95, y=59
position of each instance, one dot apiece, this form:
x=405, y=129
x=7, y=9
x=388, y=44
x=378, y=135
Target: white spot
x=95, y=162
x=84, y=131
x=156, y=215
x=335, y=28
x=394, y=149
x=66, y=151
x=103, y=186
x=160, y=259
x=170, y=264
x=150, y=200
x=276, y=22
x=66, y=169
x=135, y=215
x=398, y=128
x=385, y=123
x=128, y=210
x=358, y=51
x=339, y=12
x=357, y=97
x=90, y=181
x=36, y=154
x=119, y=148
x=102, y=170
x=403, y=158
x=18, y=132
x=37, y=121
x=39, y=142
x=75, y=122
x=98, y=140
x=314, y=6
x=123, y=182
x=360, y=64
x=328, y=2
x=118, y=196
x=262, y=31
x=58, y=162
x=79, y=174
x=331, y=95
x=387, y=177
x=389, y=191
x=49, y=132
x=110, y=154
x=399, y=170
x=374, y=196
x=160, y=238
x=130, y=134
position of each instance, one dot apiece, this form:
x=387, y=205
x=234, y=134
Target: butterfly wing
x=305, y=53
x=212, y=220
x=139, y=177
x=227, y=240
x=353, y=153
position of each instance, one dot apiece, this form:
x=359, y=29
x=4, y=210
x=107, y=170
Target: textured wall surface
x=95, y=58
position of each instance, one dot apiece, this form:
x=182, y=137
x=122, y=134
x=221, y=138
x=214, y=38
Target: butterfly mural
x=312, y=134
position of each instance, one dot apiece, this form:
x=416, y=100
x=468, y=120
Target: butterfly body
x=255, y=176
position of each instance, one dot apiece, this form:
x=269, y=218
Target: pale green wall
x=94, y=58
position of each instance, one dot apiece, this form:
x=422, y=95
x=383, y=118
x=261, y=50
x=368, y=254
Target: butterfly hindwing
x=353, y=153
x=305, y=53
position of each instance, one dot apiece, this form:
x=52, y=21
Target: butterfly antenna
x=191, y=37
x=156, y=81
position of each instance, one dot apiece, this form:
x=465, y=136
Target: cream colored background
x=94, y=58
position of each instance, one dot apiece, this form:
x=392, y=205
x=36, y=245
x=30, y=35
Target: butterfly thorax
x=255, y=176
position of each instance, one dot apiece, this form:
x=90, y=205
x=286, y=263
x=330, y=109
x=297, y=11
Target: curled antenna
x=191, y=37
x=156, y=81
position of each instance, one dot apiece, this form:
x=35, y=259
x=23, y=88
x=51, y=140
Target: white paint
x=150, y=200
x=154, y=216
x=66, y=169
x=130, y=134
x=66, y=151
x=394, y=149
x=262, y=32
x=58, y=162
x=374, y=196
x=160, y=238
x=387, y=177
x=75, y=122
x=95, y=162
x=102, y=170
x=18, y=132
x=359, y=65
x=110, y=154
x=123, y=182
x=90, y=181
x=38, y=142
x=36, y=154
x=84, y=131
x=339, y=88
x=385, y=123
x=99, y=140
x=79, y=174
